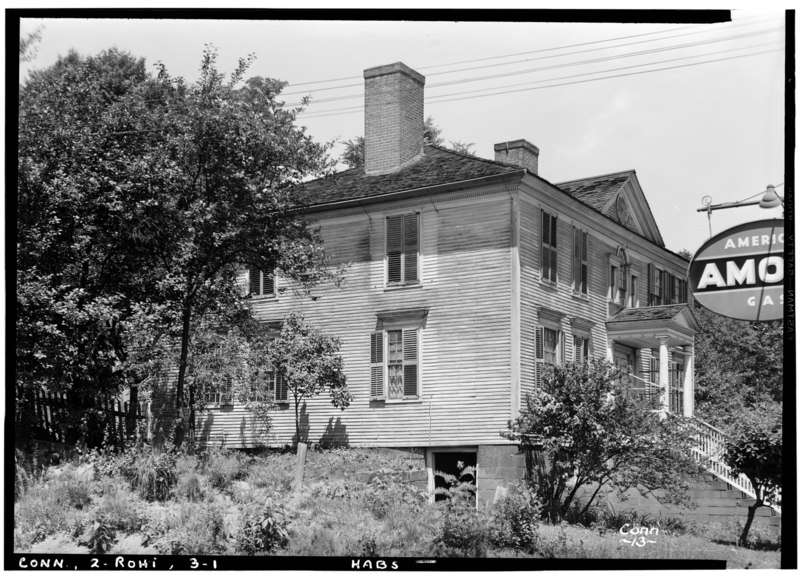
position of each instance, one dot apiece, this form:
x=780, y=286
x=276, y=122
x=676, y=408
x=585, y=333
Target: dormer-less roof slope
x=437, y=166
x=596, y=191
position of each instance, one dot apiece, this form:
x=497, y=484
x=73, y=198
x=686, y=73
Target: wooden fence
x=48, y=414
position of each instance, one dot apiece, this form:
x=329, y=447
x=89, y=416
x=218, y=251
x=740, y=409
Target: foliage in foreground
x=756, y=450
x=588, y=428
x=86, y=506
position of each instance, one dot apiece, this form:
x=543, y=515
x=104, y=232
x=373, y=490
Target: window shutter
x=410, y=370
x=255, y=279
x=376, y=366
x=281, y=390
x=544, y=252
x=562, y=350
x=584, y=262
x=553, y=252
x=268, y=283
x=394, y=248
x=411, y=246
x=539, y=344
x=576, y=258
x=586, y=350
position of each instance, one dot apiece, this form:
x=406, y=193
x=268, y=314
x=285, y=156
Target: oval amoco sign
x=739, y=273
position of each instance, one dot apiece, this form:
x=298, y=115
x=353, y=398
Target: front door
x=625, y=358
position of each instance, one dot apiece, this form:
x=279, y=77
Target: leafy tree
x=724, y=387
x=307, y=361
x=756, y=450
x=353, y=155
x=591, y=429
x=27, y=45
x=140, y=200
x=82, y=259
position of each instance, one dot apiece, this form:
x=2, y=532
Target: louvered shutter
x=553, y=252
x=411, y=247
x=394, y=248
x=410, y=362
x=268, y=283
x=545, y=251
x=577, y=348
x=562, y=350
x=255, y=281
x=376, y=366
x=586, y=343
x=584, y=262
x=576, y=259
x=539, y=344
x=281, y=389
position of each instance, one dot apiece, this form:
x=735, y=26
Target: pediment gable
x=618, y=196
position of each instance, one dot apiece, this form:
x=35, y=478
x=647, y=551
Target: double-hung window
x=549, y=343
x=402, y=249
x=277, y=387
x=548, y=253
x=580, y=261
x=655, y=297
x=394, y=364
x=261, y=283
x=581, y=348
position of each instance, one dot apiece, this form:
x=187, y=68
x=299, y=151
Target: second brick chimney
x=519, y=152
x=394, y=117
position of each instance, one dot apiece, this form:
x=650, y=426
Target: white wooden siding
x=464, y=342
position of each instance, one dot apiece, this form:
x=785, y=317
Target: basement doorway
x=453, y=463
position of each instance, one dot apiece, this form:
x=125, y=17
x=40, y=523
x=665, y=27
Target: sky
x=710, y=124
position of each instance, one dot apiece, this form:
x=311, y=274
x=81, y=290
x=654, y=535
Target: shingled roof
x=647, y=313
x=595, y=191
x=437, y=166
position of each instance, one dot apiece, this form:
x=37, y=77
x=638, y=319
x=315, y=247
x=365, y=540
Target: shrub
x=223, y=467
x=194, y=529
x=264, y=528
x=150, y=472
x=118, y=509
x=463, y=532
x=515, y=519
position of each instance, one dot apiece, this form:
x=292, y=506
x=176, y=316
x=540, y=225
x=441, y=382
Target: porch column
x=663, y=372
x=610, y=351
x=688, y=382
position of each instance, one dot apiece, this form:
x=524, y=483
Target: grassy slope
x=335, y=514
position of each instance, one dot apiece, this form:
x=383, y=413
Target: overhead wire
x=431, y=100
x=739, y=24
x=564, y=64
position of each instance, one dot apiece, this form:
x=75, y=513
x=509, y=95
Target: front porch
x=656, y=344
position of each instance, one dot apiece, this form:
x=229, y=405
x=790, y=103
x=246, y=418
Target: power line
x=355, y=109
x=567, y=64
x=541, y=50
x=610, y=70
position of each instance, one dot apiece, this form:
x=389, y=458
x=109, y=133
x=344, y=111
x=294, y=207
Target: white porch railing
x=708, y=452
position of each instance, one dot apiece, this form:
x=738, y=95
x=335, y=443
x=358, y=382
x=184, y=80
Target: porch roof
x=646, y=327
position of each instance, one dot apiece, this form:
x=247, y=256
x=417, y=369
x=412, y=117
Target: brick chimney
x=394, y=117
x=519, y=152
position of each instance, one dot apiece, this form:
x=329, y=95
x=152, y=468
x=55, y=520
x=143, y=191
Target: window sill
x=413, y=286
x=263, y=297
x=580, y=296
x=549, y=285
x=384, y=400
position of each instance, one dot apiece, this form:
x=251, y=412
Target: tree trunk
x=185, y=326
x=751, y=514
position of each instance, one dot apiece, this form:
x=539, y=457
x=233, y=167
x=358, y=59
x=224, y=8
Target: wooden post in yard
x=301, y=465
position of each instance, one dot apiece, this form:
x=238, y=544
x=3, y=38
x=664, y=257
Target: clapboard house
x=464, y=277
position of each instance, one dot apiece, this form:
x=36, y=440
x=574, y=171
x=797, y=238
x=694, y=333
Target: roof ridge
x=475, y=157
x=624, y=172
